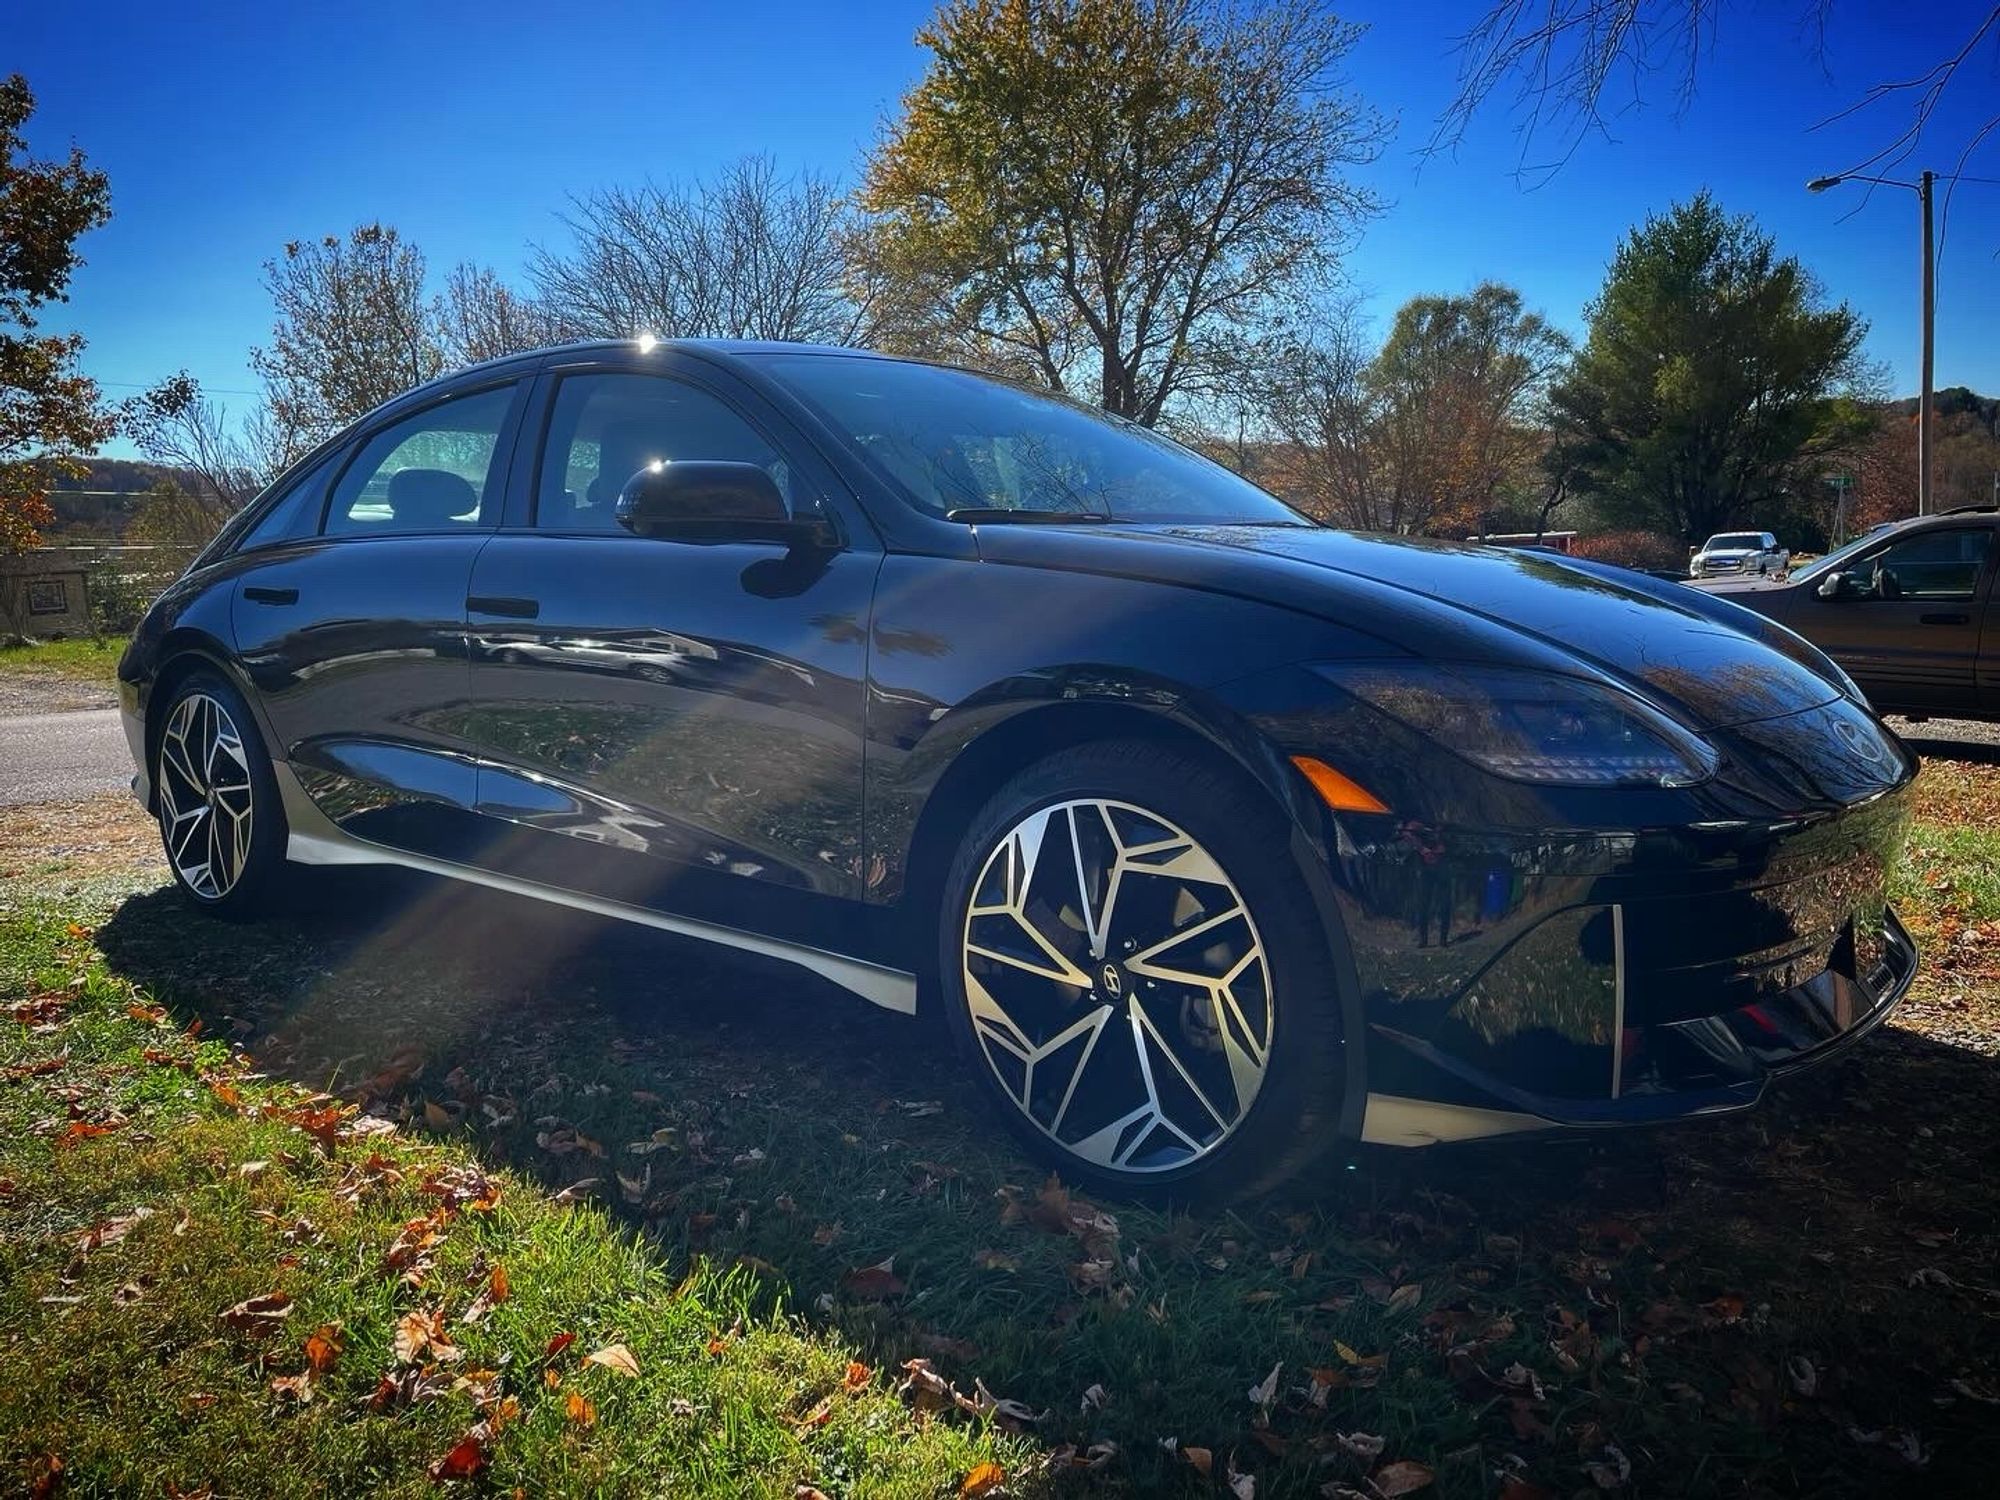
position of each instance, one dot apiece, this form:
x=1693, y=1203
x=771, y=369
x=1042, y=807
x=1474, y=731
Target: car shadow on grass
x=1672, y=1294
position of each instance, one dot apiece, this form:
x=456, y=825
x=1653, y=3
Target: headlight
x=1533, y=726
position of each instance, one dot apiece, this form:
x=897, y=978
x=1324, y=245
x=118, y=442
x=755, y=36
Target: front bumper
x=1659, y=1070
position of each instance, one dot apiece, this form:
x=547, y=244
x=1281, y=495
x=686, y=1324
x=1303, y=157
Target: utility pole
x=1924, y=181
x=1922, y=187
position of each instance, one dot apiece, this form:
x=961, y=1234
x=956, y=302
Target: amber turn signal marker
x=1341, y=793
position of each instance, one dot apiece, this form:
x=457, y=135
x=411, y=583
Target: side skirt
x=316, y=840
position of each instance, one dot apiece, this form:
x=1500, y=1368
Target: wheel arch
x=180, y=655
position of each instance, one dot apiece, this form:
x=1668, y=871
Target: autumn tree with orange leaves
x=49, y=411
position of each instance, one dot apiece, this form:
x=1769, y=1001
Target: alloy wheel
x=205, y=796
x=1117, y=985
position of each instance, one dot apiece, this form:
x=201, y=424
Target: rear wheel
x=1129, y=963
x=216, y=800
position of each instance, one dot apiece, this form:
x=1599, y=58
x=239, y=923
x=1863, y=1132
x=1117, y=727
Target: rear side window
x=605, y=428
x=295, y=514
x=437, y=470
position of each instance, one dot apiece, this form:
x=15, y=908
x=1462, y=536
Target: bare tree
x=353, y=328
x=748, y=254
x=1562, y=58
x=480, y=317
x=1313, y=393
x=174, y=423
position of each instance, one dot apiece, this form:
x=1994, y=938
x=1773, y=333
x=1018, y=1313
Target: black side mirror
x=709, y=500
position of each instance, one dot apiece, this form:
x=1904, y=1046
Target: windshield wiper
x=980, y=514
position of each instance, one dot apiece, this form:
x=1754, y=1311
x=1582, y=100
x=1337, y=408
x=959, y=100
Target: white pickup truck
x=1730, y=554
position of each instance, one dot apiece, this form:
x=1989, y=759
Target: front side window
x=1930, y=565
x=436, y=470
x=954, y=441
x=605, y=428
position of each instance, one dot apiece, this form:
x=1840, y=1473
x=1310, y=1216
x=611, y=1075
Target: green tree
x=1108, y=195
x=49, y=413
x=1427, y=434
x=1709, y=380
x=353, y=328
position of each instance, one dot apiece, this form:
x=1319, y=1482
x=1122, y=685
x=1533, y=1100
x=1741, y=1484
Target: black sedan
x=1216, y=836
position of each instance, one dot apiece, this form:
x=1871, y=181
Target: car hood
x=1718, y=664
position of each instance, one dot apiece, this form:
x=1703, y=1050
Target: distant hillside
x=1957, y=401
x=102, y=503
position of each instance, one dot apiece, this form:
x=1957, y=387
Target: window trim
x=496, y=480
x=553, y=381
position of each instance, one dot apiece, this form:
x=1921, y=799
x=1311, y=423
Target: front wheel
x=217, y=802
x=1129, y=963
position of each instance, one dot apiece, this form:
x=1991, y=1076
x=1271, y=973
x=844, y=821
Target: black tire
x=1292, y=1108
x=245, y=878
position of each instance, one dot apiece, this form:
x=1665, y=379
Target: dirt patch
x=91, y=836
x=21, y=695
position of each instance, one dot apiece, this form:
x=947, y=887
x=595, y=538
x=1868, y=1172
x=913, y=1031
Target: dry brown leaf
x=1202, y=1460
x=467, y=1459
x=1266, y=1390
x=615, y=1357
x=1404, y=1477
x=323, y=1347
x=877, y=1283
x=259, y=1315
x=983, y=1480
x=858, y=1375
x=298, y=1387
x=579, y=1410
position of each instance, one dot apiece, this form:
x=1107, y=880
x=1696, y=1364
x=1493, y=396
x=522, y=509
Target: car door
x=673, y=723
x=1904, y=620
x=351, y=623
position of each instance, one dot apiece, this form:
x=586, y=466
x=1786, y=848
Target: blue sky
x=230, y=131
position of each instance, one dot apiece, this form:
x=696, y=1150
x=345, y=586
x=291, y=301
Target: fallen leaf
x=1202, y=1460
x=615, y=1357
x=298, y=1387
x=467, y=1459
x=323, y=1347
x=1093, y=1399
x=1610, y=1471
x=877, y=1283
x=983, y=1480
x=259, y=1315
x=253, y=1169
x=1266, y=1391
x=994, y=1260
x=1404, y=1477
x=579, y=1410
x=858, y=1375
x=558, y=1344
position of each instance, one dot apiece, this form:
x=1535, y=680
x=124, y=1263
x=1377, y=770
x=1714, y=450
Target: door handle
x=1945, y=619
x=257, y=594
x=500, y=604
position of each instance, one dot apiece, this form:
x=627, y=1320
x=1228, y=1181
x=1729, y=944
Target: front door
x=353, y=633
x=1905, y=620
x=671, y=723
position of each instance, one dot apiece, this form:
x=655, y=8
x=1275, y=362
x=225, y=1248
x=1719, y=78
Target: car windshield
x=960, y=443
x=1734, y=541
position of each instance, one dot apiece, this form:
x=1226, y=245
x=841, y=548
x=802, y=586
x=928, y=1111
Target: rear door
x=1906, y=622
x=351, y=626
x=673, y=723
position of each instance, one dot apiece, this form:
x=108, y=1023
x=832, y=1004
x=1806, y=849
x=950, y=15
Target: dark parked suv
x=1907, y=610
x=1212, y=835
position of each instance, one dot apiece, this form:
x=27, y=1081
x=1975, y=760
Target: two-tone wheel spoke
x=205, y=796
x=1117, y=985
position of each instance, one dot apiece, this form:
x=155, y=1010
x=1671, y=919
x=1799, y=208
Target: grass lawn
x=81, y=659
x=768, y=1180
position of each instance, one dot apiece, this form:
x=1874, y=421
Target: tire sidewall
x=255, y=886
x=1294, y=1115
